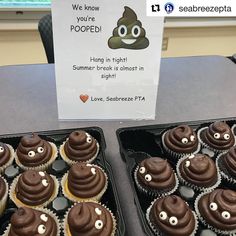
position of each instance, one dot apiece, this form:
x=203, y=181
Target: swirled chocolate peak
x=172, y=216
x=90, y=218
x=27, y=221
x=129, y=32
x=181, y=139
x=80, y=146
x=218, y=209
x=86, y=180
x=3, y=188
x=156, y=173
x=34, y=187
x=199, y=170
x=5, y=154
x=229, y=161
x=33, y=151
x=218, y=136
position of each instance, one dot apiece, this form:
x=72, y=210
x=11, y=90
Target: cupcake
x=218, y=137
x=180, y=141
x=6, y=156
x=227, y=165
x=171, y=216
x=79, y=147
x=199, y=172
x=34, y=189
x=3, y=194
x=33, y=222
x=217, y=210
x=84, y=182
x=155, y=177
x=89, y=218
x=35, y=153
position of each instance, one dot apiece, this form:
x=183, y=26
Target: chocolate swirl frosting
x=3, y=188
x=199, y=170
x=218, y=136
x=156, y=173
x=80, y=146
x=172, y=216
x=34, y=188
x=90, y=218
x=86, y=180
x=181, y=139
x=5, y=154
x=33, y=151
x=218, y=208
x=27, y=221
x=229, y=161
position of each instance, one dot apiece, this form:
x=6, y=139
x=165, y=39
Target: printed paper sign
x=107, y=59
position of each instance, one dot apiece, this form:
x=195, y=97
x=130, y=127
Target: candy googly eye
x=122, y=30
x=226, y=136
x=1, y=149
x=44, y=218
x=213, y=206
x=98, y=211
x=184, y=140
x=173, y=220
x=187, y=163
x=163, y=215
x=136, y=31
x=216, y=135
x=89, y=140
x=148, y=178
x=31, y=153
x=93, y=170
x=40, y=149
x=41, y=229
x=41, y=173
x=142, y=170
x=192, y=138
x=226, y=215
x=98, y=224
x=44, y=182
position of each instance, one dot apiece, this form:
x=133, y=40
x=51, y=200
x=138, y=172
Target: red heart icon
x=84, y=97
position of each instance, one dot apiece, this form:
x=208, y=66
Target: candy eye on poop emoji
x=129, y=33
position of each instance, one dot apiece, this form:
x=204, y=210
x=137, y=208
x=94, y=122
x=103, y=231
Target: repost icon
x=169, y=7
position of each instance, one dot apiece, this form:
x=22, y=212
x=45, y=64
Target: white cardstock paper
x=107, y=59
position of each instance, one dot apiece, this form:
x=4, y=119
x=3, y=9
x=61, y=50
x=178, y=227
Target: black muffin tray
x=138, y=143
x=60, y=205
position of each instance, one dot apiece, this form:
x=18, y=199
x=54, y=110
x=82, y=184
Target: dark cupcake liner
x=205, y=145
x=223, y=171
x=157, y=231
x=204, y=222
x=176, y=155
x=193, y=186
x=155, y=193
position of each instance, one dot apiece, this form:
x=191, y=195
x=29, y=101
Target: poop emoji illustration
x=129, y=33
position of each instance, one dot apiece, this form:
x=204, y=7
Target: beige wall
x=20, y=42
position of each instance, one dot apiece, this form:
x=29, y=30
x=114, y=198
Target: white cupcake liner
x=41, y=167
x=193, y=186
x=223, y=171
x=204, y=222
x=44, y=210
x=65, y=226
x=21, y=204
x=66, y=192
x=3, y=201
x=176, y=155
x=216, y=151
x=11, y=159
x=71, y=162
x=155, y=193
x=158, y=231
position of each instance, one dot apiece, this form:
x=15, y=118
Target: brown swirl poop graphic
x=129, y=33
